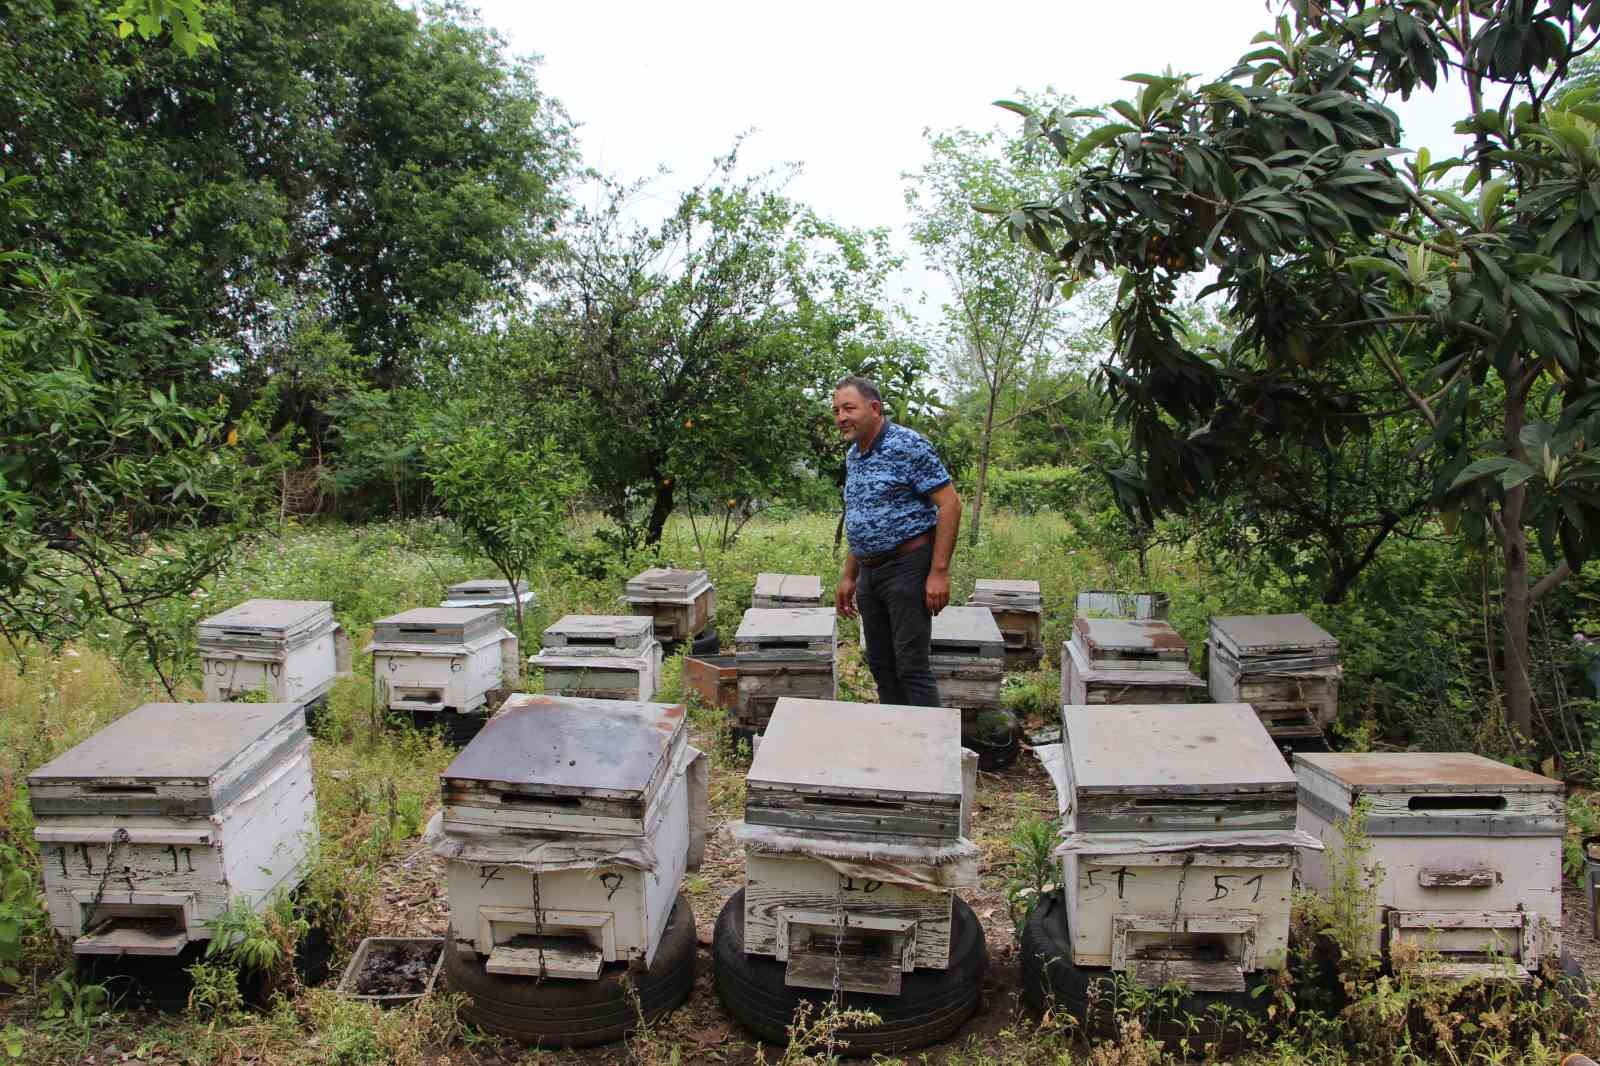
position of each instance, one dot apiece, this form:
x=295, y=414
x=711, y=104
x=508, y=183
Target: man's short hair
x=867, y=389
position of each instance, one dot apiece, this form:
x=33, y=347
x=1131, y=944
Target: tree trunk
x=660, y=512
x=1517, y=594
x=983, y=470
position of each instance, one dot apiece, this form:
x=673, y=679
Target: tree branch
x=1554, y=578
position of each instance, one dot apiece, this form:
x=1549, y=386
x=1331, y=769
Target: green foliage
x=147, y=18
x=22, y=913
x=1035, y=871
x=216, y=990
x=1056, y=488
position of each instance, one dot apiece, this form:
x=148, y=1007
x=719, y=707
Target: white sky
x=846, y=89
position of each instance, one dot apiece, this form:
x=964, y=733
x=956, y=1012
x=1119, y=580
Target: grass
x=376, y=787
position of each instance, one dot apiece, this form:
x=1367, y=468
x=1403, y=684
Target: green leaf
x=1511, y=472
x=1096, y=139
x=1015, y=108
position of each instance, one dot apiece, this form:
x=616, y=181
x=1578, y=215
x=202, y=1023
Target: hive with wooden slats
x=492, y=592
x=1018, y=609
x=778, y=652
x=443, y=659
x=682, y=603
x=1126, y=660
x=1284, y=665
x=290, y=651
x=604, y=657
x=967, y=654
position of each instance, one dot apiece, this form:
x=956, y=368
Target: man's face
x=856, y=416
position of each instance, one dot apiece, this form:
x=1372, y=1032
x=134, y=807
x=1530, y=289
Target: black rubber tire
x=316, y=712
x=931, y=1006
x=1050, y=980
x=152, y=982
x=707, y=643
x=561, y=1013
x=457, y=730
x=993, y=756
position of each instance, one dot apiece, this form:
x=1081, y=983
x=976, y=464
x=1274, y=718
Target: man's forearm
x=851, y=568
x=944, y=536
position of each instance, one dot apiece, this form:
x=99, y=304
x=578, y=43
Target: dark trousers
x=891, y=599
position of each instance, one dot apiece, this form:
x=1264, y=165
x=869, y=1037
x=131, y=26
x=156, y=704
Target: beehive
x=787, y=590
x=967, y=654
x=492, y=592
x=1469, y=852
x=1284, y=665
x=682, y=602
x=864, y=774
x=566, y=826
x=156, y=824
x=1178, y=849
x=1018, y=609
x=604, y=657
x=442, y=659
x=290, y=650
x=1141, y=606
x=780, y=652
x=1127, y=661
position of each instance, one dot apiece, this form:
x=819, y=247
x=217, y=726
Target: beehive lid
x=1129, y=638
x=436, y=625
x=1259, y=636
x=1004, y=592
x=802, y=630
x=189, y=759
x=1376, y=773
x=967, y=631
x=561, y=746
x=604, y=632
x=488, y=592
x=862, y=768
x=1097, y=603
x=267, y=624
x=792, y=587
x=664, y=585
x=1172, y=748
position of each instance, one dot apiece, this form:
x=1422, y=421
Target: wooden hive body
x=442, y=658
x=830, y=770
x=1018, y=609
x=1284, y=665
x=1130, y=644
x=784, y=652
x=290, y=650
x=1469, y=849
x=1081, y=684
x=1207, y=915
x=607, y=657
x=787, y=590
x=600, y=634
x=550, y=768
x=967, y=653
x=715, y=679
x=195, y=805
x=681, y=602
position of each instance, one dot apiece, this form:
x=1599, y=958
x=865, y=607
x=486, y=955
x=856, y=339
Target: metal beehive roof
x=966, y=631
x=780, y=587
x=855, y=749
x=487, y=592
x=1148, y=638
x=211, y=752
x=1252, y=636
x=574, y=632
x=555, y=745
x=1422, y=771
x=1172, y=748
x=665, y=585
x=1005, y=592
x=266, y=624
x=436, y=625
x=764, y=625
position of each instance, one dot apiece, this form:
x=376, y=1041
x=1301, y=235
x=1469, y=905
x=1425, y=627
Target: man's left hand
x=938, y=592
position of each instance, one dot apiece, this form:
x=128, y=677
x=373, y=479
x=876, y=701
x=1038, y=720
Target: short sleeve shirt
x=887, y=489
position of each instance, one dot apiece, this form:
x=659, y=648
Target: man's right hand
x=844, y=598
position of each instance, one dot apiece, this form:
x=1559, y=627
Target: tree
x=700, y=351
x=1341, y=269
x=1004, y=326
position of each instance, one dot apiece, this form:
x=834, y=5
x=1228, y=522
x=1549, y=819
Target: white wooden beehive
x=682, y=602
x=1468, y=850
x=492, y=592
x=1018, y=609
x=1284, y=665
x=291, y=651
x=607, y=657
x=1113, y=660
x=784, y=652
x=442, y=658
x=194, y=804
x=967, y=653
x=569, y=797
x=859, y=772
x=787, y=590
x=1179, y=849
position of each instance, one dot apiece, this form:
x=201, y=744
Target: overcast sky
x=847, y=89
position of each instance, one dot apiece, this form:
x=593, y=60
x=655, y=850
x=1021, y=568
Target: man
x=901, y=515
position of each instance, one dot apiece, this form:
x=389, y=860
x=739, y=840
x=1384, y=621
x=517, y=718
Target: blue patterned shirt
x=886, y=490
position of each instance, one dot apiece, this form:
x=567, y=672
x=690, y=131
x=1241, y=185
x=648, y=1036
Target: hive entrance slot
x=517, y=799
x=1456, y=803
x=959, y=649
x=848, y=803
x=419, y=629
x=598, y=641
x=122, y=790
x=240, y=633
x=781, y=644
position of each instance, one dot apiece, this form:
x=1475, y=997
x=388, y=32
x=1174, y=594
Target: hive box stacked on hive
x=442, y=658
x=682, y=602
x=787, y=590
x=967, y=654
x=1143, y=606
x=601, y=657
x=491, y=592
x=1123, y=660
x=1178, y=848
x=566, y=826
x=829, y=772
x=1018, y=609
x=290, y=650
x=780, y=652
x=1284, y=665
x=1469, y=851
x=189, y=806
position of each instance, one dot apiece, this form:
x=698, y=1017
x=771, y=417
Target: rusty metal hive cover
x=556, y=745
x=1422, y=771
x=1264, y=635
x=1147, y=636
x=1171, y=748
